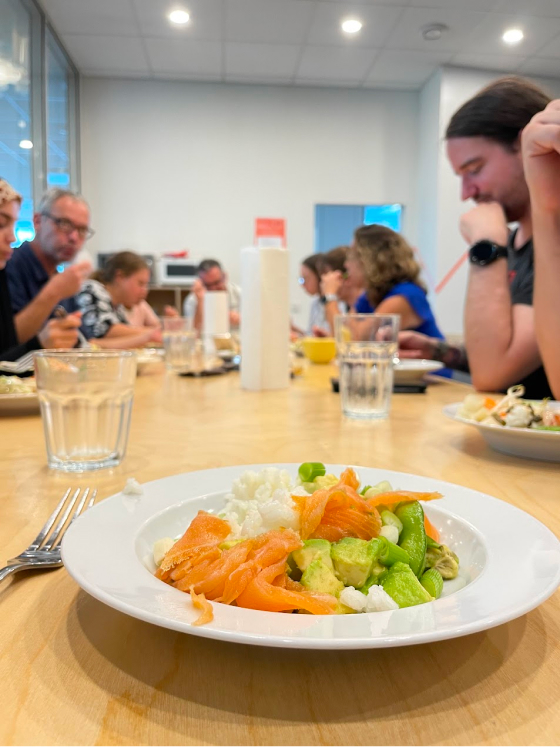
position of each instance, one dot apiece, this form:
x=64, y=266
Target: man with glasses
x=40, y=276
x=211, y=277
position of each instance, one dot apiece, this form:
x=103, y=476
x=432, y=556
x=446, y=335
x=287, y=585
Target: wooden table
x=74, y=671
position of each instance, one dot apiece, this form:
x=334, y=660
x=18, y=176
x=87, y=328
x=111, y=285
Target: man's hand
x=61, y=333
x=234, y=318
x=170, y=312
x=198, y=289
x=331, y=282
x=541, y=158
x=155, y=335
x=68, y=283
x=486, y=221
x=416, y=345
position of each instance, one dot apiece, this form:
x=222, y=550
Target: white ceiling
x=299, y=42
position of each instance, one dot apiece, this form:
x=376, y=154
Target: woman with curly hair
x=383, y=263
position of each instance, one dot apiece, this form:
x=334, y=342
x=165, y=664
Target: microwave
x=149, y=259
x=172, y=271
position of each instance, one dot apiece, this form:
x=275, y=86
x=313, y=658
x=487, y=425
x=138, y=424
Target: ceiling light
x=180, y=17
x=351, y=26
x=513, y=36
x=433, y=31
x=25, y=144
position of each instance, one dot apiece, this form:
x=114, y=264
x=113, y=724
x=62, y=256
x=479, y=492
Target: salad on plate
x=511, y=411
x=16, y=385
x=323, y=545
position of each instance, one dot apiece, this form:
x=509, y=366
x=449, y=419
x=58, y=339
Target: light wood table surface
x=74, y=671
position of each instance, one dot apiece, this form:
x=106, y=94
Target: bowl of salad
x=18, y=395
x=313, y=556
x=511, y=424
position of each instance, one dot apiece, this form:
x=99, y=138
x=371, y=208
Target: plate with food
x=313, y=556
x=410, y=371
x=511, y=424
x=18, y=396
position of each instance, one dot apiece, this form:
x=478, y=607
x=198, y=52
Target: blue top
x=416, y=297
x=26, y=276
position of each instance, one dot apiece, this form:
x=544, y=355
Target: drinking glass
x=367, y=345
x=179, y=342
x=86, y=401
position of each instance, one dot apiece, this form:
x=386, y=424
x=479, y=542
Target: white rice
x=261, y=501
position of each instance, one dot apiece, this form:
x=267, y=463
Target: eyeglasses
x=67, y=227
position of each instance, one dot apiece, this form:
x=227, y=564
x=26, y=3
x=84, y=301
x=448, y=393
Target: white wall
x=173, y=165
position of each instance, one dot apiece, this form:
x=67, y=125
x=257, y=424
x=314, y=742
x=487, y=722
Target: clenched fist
x=61, y=333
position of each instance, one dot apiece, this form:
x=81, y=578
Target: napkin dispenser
x=265, y=318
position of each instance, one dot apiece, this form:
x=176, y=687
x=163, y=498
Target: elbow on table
x=490, y=381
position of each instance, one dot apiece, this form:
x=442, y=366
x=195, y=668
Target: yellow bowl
x=319, y=349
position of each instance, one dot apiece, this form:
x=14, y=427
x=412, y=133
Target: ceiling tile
x=103, y=17
x=399, y=66
x=335, y=63
x=278, y=60
x=185, y=56
x=106, y=53
x=504, y=63
x=484, y=5
x=487, y=38
x=407, y=34
x=267, y=80
x=206, y=19
x=534, y=7
x=548, y=66
x=552, y=49
x=276, y=21
x=326, y=83
x=378, y=21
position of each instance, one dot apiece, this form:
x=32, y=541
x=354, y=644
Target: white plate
x=409, y=371
x=499, y=582
x=18, y=404
x=523, y=442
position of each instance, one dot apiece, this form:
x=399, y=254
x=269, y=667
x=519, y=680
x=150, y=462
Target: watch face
x=483, y=252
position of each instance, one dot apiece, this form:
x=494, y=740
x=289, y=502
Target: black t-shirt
x=10, y=349
x=521, y=274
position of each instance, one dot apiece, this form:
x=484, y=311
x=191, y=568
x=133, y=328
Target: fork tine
x=39, y=539
x=58, y=530
x=77, y=512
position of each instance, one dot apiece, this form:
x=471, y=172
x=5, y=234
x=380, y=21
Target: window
x=335, y=224
x=16, y=136
x=32, y=64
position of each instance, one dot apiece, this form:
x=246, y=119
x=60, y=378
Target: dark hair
x=127, y=263
x=208, y=264
x=335, y=259
x=499, y=112
x=314, y=263
x=387, y=259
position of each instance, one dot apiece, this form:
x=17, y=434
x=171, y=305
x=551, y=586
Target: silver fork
x=44, y=551
x=22, y=365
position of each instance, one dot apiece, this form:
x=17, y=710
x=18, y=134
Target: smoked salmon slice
x=262, y=594
x=204, y=531
x=333, y=513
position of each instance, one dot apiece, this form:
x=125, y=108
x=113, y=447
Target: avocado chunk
x=401, y=584
x=319, y=577
x=443, y=560
x=311, y=550
x=353, y=560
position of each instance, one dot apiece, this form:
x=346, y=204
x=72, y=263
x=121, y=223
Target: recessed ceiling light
x=180, y=17
x=433, y=31
x=513, y=36
x=351, y=26
x=25, y=144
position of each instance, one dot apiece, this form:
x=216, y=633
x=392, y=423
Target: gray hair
x=54, y=194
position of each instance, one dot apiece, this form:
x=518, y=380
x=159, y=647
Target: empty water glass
x=367, y=345
x=86, y=401
x=179, y=342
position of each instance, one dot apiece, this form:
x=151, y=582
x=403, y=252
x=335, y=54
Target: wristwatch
x=331, y=297
x=485, y=252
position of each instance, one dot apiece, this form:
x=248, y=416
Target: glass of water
x=367, y=345
x=86, y=401
x=179, y=342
